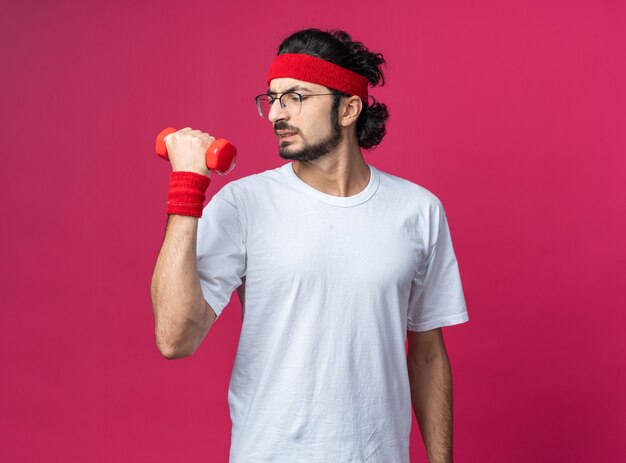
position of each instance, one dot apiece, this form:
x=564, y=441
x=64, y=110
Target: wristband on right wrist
x=187, y=193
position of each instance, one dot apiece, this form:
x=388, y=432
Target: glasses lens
x=263, y=105
x=290, y=102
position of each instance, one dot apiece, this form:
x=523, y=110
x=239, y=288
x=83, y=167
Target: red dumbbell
x=221, y=155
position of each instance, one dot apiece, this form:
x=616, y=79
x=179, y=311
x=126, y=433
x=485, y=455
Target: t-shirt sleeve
x=436, y=298
x=221, y=252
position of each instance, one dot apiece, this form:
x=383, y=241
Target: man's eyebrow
x=290, y=89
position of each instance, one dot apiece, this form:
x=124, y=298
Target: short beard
x=312, y=152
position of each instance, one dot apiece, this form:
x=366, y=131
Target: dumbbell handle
x=221, y=155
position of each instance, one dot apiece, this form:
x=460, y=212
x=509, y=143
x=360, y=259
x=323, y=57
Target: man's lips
x=284, y=134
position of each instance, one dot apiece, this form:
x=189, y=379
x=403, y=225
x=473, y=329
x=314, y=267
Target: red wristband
x=186, y=194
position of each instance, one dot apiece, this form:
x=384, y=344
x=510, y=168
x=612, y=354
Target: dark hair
x=337, y=47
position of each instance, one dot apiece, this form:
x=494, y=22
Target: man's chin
x=286, y=151
x=287, y=154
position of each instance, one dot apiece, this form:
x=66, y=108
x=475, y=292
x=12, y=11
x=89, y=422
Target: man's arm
x=431, y=392
x=182, y=316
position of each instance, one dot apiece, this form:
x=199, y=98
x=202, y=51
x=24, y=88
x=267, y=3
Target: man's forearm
x=181, y=318
x=431, y=395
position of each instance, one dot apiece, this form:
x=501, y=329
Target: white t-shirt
x=332, y=285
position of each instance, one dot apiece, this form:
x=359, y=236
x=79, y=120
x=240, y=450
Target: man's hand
x=186, y=150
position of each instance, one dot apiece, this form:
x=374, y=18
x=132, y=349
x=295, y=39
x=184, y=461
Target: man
x=334, y=261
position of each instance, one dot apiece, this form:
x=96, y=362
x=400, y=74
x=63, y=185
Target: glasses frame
x=301, y=96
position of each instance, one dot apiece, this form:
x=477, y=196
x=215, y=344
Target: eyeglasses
x=289, y=101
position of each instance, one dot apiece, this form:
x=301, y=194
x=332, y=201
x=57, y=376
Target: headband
x=318, y=71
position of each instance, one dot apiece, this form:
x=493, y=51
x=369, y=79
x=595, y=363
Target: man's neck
x=342, y=172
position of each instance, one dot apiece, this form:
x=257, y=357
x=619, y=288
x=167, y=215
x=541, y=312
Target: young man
x=334, y=262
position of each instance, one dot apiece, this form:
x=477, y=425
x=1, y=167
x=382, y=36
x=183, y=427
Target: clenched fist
x=187, y=149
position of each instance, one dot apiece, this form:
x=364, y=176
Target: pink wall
x=512, y=112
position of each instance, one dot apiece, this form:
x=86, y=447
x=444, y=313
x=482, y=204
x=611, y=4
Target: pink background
x=511, y=112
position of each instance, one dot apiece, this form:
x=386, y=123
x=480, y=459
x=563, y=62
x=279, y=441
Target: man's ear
x=351, y=108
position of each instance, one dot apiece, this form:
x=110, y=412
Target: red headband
x=318, y=71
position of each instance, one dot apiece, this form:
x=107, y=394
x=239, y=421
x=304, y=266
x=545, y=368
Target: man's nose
x=277, y=112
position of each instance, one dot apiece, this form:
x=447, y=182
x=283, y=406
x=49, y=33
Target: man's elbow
x=176, y=340
x=173, y=351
